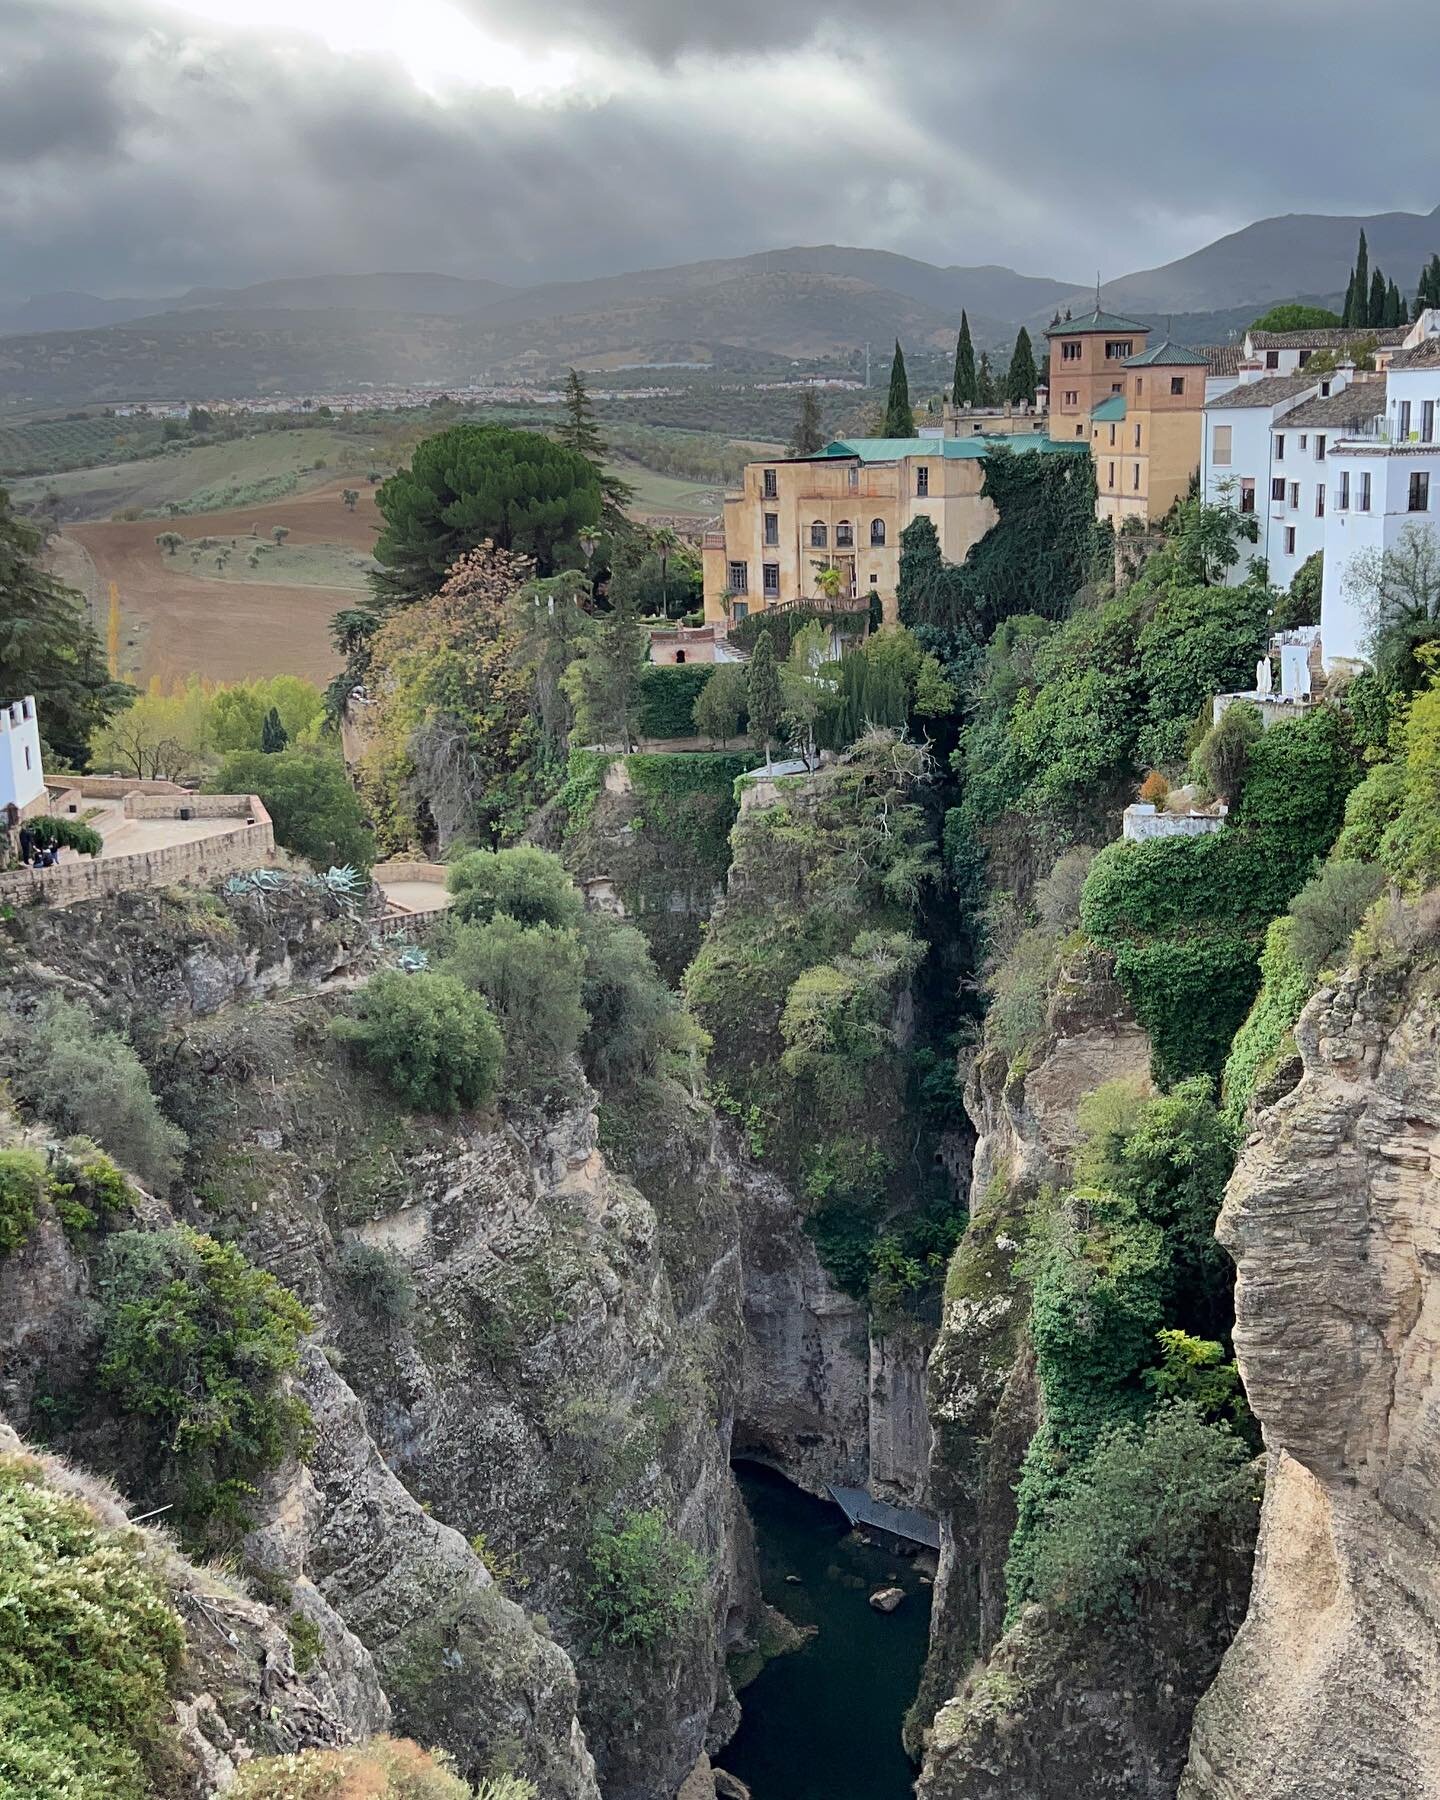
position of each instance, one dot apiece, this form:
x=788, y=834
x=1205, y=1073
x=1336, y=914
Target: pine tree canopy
x=899, y=418
x=523, y=491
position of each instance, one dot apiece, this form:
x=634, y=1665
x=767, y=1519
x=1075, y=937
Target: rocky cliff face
x=1332, y=1685
x=983, y=1400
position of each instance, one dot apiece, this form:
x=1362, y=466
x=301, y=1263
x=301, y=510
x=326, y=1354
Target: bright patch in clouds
x=438, y=47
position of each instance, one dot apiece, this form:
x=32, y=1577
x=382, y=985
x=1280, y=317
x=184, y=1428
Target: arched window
x=819, y=537
x=844, y=535
x=877, y=534
x=679, y=656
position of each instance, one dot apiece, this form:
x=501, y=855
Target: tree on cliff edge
x=899, y=419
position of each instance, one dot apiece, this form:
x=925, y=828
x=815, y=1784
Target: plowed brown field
x=226, y=630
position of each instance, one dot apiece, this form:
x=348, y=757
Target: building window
x=1112, y=437
x=772, y=528
x=27, y=756
x=922, y=481
x=740, y=610
x=1139, y=386
x=1324, y=390
x=1362, y=500
x=1272, y=359
x=1177, y=384
x=1320, y=448
x=1110, y=482
x=770, y=488
x=1117, y=349
x=1070, y=352
x=1136, y=483
x=739, y=578
x=877, y=534
x=1320, y=500
x=1427, y=421
x=1220, y=446
x=1137, y=437
x=1289, y=540
x=1279, y=446
x=1420, y=491
x=1305, y=356
x=1294, y=496
x=1247, y=496
x=819, y=536
x=1343, y=503
x=1079, y=431
x=844, y=535
x=1277, y=489
x=679, y=656
x=874, y=579
x=1303, y=440
x=770, y=578
x=1072, y=397
x=854, y=473
x=1404, y=421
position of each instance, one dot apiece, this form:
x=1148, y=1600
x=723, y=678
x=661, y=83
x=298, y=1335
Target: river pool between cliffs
x=823, y=1722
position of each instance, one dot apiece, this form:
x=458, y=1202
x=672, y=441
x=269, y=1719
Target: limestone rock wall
x=1332, y=1685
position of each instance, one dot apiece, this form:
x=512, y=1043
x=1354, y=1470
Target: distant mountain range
x=793, y=305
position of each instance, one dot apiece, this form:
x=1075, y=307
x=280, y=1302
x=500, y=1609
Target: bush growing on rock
x=532, y=977
x=383, y=1769
x=530, y=885
x=433, y=1039
x=198, y=1341
x=644, y=1582
x=22, y=1188
x=88, y=1646
x=78, y=1077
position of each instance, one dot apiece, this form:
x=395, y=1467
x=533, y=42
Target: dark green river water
x=823, y=1722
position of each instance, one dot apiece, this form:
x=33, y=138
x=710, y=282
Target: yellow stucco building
x=845, y=509
x=1141, y=410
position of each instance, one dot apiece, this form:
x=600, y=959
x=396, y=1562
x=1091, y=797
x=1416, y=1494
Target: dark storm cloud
x=145, y=156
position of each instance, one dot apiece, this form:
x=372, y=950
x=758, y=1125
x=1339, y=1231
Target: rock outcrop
x=984, y=1402
x=1332, y=1685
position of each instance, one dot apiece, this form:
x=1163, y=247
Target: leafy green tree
x=808, y=437
x=279, y=533
x=1294, y=315
x=603, y=683
x=520, y=490
x=720, y=704
x=1020, y=381
x=531, y=885
x=805, y=685
x=1300, y=603
x=899, y=418
x=312, y=806
x=765, y=698
x=553, y=624
x=273, y=735
x=963, y=388
x=532, y=976
x=48, y=646
x=350, y=496
x=1223, y=754
x=170, y=541
x=433, y=1039
x=634, y=1018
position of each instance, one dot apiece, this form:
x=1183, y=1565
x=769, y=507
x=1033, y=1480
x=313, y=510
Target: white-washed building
x=1384, y=482
x=22, y=780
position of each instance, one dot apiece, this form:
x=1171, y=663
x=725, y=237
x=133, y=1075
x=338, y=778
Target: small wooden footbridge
x=877, y=1515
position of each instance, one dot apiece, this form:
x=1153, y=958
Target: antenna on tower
x=1097, y=290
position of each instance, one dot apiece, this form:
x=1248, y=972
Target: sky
x=147, y=146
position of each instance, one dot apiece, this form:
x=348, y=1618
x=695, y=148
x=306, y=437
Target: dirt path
x=176, y=622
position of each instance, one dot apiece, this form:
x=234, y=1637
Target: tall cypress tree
x=1394, y=305
x=808, y=438
x=986, y=393
x=763, y=698
x=1375, y=312
x=1362, y=284
x=1347, y=315
x=899, y=419
x=963, y=390
x=1020, y=382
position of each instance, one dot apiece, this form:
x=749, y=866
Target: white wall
x=1344, y=624
x=22, y=781
x=1251, y=454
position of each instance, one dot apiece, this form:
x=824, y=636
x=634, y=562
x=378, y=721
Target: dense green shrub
x=23, y=1184
x=1146, y=1517
x=313, y=808
x=644, y=1584
x=381, y=1769
x=1370, y=811
x=1222, y=757
x=1199, y=641
x=532, y=977
x=196, y=1340
x=433, y=1040
x=634, y=1019
x=720, y=705
x=79, y=1077
x=68, y=834
x=1328, y=910
x=668, y=692
x=1262, y=1040
x=88, y=1649
x=531, y=885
